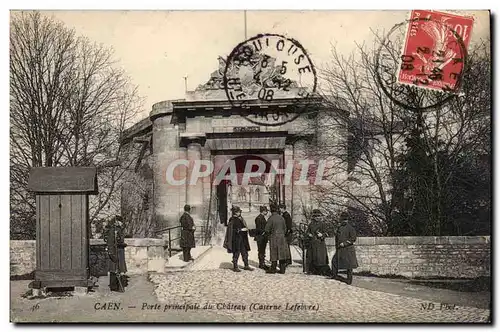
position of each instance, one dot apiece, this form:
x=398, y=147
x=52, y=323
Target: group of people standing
x=316, y=251
x=277, y=230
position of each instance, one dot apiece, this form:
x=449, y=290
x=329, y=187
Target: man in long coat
x=261, y=237
x=236, y=240
x=187, y=234
x=317, y=255
x=289, y=226
x=115, y=247
x=345, y=254
x=280, y=251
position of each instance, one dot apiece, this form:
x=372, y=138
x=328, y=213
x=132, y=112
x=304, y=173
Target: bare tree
x=363, y=163
x=69, y=104
x=364, y=130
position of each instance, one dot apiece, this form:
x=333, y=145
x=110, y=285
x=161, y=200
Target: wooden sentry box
x=62, y=226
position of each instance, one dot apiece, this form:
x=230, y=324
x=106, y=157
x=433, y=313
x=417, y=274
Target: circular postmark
x=428, y=72
x=264, y=69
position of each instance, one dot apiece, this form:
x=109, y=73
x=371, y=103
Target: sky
x=158, y=49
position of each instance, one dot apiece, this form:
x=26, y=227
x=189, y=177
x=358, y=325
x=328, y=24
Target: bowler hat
x=344, y=216
x=273, y=207
x=317, y=213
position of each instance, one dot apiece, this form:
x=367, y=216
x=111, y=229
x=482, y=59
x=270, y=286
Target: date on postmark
x=435, y=49
x=268, y=67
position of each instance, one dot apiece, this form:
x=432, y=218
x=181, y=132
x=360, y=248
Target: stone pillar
x=167, y=196
x=205, y=155
x=206, y=187
x=288, y=183
x=183, y=174
x=300, y=192
x=194, y=190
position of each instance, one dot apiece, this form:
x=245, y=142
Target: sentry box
x=62, y=225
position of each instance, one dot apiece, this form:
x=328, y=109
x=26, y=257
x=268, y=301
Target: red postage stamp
x=435, y=50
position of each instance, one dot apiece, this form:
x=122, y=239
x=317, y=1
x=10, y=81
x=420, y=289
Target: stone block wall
x=446, y=257
x=22, y=257
x=141, y=256
x=428, y=256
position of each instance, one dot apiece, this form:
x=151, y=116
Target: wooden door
x=62, y=237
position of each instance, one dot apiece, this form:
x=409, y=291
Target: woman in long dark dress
x=316, y=254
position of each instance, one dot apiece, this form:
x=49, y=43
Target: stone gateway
x=201, y=150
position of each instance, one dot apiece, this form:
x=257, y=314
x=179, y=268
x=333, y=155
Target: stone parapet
x=423, y=256
x=446, y=256
x=141, y=256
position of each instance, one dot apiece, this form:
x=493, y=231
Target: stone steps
x=176, y=263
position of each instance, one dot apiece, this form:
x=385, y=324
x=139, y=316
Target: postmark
x=428, y=70
x=265, y=68
x=433, y=55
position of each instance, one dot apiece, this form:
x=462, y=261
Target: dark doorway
x=222, y=201
x=251, y=195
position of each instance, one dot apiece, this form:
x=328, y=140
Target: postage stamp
x=268, y=67
x=420, y=63
x=435, y=50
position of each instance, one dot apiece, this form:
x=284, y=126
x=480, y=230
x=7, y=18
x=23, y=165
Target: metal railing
x=170, y=239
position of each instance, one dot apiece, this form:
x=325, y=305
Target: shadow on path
x=451, y=292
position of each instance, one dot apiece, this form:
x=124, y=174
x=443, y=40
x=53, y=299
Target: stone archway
x=248, y=192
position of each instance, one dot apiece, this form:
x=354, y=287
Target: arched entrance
x=247, y=192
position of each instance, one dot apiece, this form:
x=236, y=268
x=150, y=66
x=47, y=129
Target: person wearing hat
x=289, y=226
x=345, y=254
x=280, y=251
x=115, y=248
x=316, y=254
x=187, y=234
x=236, y=240
x=261, y=237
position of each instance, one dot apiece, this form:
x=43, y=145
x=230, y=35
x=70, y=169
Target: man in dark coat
x=187, y=234
x=261, y=237
x=115, y=247
x=317, y=255
x=279, y=248
x=288, y=222
x=289, y=226
x=236, y=241
x=345, y=254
